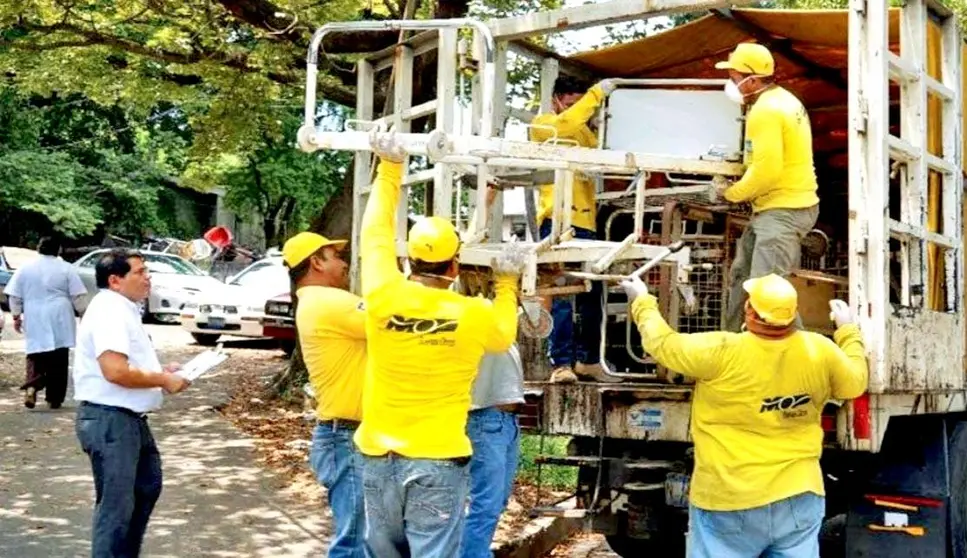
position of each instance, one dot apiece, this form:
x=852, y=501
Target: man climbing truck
x=780, y=181
x=574, y=353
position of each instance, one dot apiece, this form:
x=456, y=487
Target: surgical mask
x=733, y=93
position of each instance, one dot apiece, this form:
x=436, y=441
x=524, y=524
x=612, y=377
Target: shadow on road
x=216, y=501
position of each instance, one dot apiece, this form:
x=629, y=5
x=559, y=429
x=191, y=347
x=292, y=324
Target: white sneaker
x=596, y=372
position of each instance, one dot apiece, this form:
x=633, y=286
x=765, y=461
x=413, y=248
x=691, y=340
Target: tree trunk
x=287, y=384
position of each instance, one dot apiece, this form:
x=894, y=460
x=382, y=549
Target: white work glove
x=840, y=313
x=511, y=260
x=387, y=145
x=607, y=86
x=634, y=287
x=721, y=184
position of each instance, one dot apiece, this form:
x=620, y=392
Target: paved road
x=217, y=501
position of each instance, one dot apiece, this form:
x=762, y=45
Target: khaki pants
x=771, y=243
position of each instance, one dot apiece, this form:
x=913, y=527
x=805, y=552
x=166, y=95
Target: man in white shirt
x=496, y=398
x=117, y=379
x=43, y=295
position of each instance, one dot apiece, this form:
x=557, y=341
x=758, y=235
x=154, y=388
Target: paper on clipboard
x=202, y=363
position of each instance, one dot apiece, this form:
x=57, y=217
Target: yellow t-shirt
x=571, y=124
x=332, y=333
x=757, y=406
x=779, y=155
x=425, y=344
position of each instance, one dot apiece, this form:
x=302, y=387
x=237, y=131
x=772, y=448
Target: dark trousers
x=48, y=370
x=568, y=344
x=127, y=477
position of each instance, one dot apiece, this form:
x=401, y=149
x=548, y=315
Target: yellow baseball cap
x=432, y=240
x=749, y=58
x=301, y=246
x=773, y=298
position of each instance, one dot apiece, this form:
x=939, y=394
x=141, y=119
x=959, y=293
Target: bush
x=552, y=476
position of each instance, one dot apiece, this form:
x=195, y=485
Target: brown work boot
x=30, y=398
x=563, y=375
x=596, y=372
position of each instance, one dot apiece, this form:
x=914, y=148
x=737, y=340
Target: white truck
x=884, y=89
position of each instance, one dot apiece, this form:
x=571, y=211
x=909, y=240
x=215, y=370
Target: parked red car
x=279, y=321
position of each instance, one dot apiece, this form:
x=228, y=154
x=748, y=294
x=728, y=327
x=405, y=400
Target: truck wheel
x=832, y=537
x=206, y=339
x=627, y=547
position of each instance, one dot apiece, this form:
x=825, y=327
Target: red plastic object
x=861, y=417
x=829, y=423
x=219, y=236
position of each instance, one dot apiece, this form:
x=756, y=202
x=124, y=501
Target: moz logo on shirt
x=784, y=402
x=421, y=326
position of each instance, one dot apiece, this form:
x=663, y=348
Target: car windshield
x=267, y=276
x=170, y=264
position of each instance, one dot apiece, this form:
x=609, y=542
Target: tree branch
x=342, y=94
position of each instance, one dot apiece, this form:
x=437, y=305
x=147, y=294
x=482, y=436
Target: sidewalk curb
x=541, y=535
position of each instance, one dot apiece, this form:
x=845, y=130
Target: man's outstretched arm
x=378, y=230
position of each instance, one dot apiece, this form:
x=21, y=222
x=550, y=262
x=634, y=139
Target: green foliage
x=554, y=477
x=46, y=185
x=284, y=185
x=71, y=166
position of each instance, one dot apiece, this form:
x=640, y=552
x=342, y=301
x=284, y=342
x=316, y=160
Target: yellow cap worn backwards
x=773, y=298
x=432, y=240
x=298, y=248
x=749, y=58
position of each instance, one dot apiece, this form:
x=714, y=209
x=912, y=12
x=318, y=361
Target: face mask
x=733, y=93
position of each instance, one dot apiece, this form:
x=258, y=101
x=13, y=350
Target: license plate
x=216, y=323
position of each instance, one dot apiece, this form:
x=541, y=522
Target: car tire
x=287, y=346
x=206, y=339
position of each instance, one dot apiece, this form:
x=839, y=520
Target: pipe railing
x=489, y=68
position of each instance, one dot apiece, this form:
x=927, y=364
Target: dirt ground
x=233, y=488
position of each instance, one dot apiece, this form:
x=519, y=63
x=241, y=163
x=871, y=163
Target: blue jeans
x=339, y=467
x=566, y=346
x=496, y=445
x=127, y=477
x=414, y=507
x=785, y=529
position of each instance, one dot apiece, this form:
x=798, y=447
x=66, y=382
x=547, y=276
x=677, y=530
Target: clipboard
x=203, y=363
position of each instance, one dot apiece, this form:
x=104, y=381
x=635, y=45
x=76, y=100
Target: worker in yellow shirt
x=425, y=346
x=779, y=181
x=574, y=353
x=331, y=323
x=757, y=488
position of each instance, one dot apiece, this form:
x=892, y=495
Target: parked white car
x=174, y=282
x=236, y=308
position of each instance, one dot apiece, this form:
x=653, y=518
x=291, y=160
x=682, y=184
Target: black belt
x=459, y=461
x=337, y=423
x=124, y=410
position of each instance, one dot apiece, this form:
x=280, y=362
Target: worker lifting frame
x=483, y=152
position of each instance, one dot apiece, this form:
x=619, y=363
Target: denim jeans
x=127, y=477
x=414, y=507
x=785, y=529
x=496, y=446
x=567, y=346
x=339, y=467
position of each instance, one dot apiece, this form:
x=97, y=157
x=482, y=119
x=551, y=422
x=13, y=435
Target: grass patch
x=552, y=476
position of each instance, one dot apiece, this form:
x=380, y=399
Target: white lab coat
x=47, y=286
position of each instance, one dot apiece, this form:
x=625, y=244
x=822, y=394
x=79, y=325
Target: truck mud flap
x=914, y=504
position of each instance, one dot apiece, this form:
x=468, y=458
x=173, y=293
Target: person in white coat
x=43, y=295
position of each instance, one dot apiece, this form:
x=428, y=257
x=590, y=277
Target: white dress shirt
x=46, y=287
x=113, y=323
